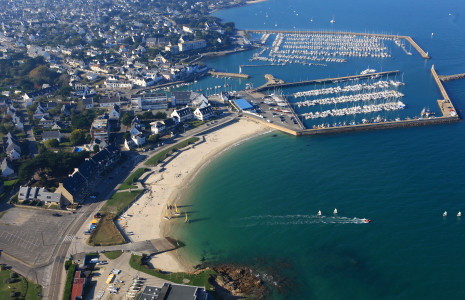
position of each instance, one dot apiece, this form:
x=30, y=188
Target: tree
x=126, y=120
x=77, y=137
x=153, y=138
x=160, y=115
x=96, y=148
x=147, y=115
x=52, y=143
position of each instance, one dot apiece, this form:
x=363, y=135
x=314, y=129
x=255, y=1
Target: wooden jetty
x=404, y=37
x=451, y=77
x=271, y=84
x=224, y=74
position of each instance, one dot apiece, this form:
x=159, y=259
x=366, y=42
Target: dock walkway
x=225, y=74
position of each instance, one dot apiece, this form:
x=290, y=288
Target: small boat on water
x=459, y=214
x=366, y=220
x=177, y=213
x=187, y=219
x=444, y=214
x=166, y=217
x=319, y=213
x=335, y=211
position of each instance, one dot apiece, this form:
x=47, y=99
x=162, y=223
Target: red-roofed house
x=78, y=286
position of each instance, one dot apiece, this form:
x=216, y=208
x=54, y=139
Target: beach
x=165, y=186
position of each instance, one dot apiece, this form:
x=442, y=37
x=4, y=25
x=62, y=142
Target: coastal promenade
x=390, y=36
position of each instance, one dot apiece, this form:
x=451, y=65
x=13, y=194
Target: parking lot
x=30, y=235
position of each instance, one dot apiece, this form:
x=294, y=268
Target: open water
x=257, y=203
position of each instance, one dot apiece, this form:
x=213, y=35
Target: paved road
x=55, y=289
x=31, y=141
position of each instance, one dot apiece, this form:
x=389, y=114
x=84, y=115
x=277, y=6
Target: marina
x=382, y=92
x=409, y=39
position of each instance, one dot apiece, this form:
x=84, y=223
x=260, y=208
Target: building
x=30, y=97
x=156, y=42
x=109, y=101
x=7, y=167
x=192, y=45
x=27, y=193
x=149, y=101
x=11, y=146
x=114, y=112
x=157, y=127
x=204, y=113
x=49, y=135
x=181, y=98
x=77, y=293
x=171, y=291
x=118, y=84
x=183, y=114
x=100, y=129
x=75, y=184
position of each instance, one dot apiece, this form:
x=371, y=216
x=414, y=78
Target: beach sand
x=147, y=214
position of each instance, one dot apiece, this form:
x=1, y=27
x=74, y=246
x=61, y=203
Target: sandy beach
x=146, y=217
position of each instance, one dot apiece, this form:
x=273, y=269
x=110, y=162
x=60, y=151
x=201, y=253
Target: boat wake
x=270, y=220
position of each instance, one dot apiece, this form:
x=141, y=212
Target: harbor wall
x=323, y=80
x=224, y=74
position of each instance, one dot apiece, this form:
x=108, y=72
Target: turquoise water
x=256, y=204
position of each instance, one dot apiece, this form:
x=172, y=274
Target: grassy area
x=69, y=282
x=198, y=280
x=128, y=183
x=160, y=156
x=118, y=202
x=113, y=254
x=21, y=288
x=106, y=233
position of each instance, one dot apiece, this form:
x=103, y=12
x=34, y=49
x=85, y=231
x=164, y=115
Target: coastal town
x=88, y=130
x=102, y=132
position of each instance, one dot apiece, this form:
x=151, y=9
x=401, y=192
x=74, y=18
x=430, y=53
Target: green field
x=128, y=183
x=160, y=156
x=106, y=233
x=21, y=288
x=113, y=254
x=197, y=280
x=118, y=202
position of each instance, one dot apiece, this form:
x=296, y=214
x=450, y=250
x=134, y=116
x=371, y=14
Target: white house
x=157, y=127
x=204, y=113
x=114, y=113
x=7, y=167
x=182, y=114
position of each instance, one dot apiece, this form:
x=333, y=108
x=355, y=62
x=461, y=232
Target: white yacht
x=335, y=211
x=444, y=214
x=319, y=213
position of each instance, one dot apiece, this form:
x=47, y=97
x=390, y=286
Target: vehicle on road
x=56, y=215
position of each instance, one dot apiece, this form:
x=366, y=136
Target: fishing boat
x=319, y=213
x=444, y=214
x=187, y=219
x=335, y=211
x=459, y=214
x=176, y=211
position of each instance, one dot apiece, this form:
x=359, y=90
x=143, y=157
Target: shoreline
x=168, y=187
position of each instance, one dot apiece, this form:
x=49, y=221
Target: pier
x=391, y=36
x=446, y=106
x=271, y=84
x=451, y=77
x=233, y=75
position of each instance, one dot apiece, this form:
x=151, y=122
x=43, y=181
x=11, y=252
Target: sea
x=257, y=203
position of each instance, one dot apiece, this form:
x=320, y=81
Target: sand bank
x=147, y=214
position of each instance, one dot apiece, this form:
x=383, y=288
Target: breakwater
x=224, y=74
x=409, y=39
x=271, y=84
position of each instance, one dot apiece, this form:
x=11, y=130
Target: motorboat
x=335, y=211
x=444, y=214
x=459, y=214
